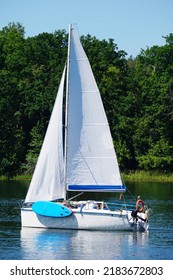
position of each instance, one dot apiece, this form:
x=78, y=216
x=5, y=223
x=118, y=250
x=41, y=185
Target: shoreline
x=131, y=176
x=147, y=176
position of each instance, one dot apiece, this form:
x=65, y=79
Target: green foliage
x=158, y=157
x=34, y=149
x=153, y=137
x=12, y=135
x=137, y=94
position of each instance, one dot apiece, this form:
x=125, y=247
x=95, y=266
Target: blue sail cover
x=101, y=188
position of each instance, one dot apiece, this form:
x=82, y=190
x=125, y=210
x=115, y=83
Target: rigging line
x=84, y=159
x=88, y=167
x=132, y=195
x=66, y=104
x=77, y=28
x=75, y=196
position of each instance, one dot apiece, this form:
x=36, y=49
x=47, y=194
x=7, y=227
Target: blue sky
x=133, y=24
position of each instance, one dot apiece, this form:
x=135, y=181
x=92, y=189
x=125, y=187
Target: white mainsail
x=48, y=179
x=91, y=160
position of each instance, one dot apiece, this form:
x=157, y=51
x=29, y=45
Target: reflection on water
x=72, y=244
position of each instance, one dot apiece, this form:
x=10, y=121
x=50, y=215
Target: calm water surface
x=32, y=244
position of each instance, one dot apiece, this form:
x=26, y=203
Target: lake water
x=36, y=244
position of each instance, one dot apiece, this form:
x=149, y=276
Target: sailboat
x=78, y=156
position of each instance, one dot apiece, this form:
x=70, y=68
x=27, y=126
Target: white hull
x=85, y=220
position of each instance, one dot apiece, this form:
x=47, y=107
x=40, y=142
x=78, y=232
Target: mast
x=66, y=107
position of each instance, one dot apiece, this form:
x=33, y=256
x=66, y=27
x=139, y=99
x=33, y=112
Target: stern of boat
x=139, y=221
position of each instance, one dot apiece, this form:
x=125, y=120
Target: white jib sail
x=48, y=179
x=91, y=158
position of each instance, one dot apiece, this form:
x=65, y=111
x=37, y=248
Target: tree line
x=137, y=94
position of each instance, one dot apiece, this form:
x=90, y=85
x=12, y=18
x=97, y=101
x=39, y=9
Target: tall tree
x=12, y=62
x=152, y=73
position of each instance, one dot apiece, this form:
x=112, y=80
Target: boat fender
x=146, y=215
x=140, y=205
